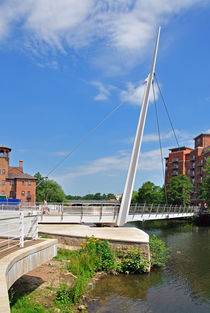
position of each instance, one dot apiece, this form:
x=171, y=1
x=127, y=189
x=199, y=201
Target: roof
x=4, y=147
x=203, y=134
x=23, y=176
x=17, y=167
x=180, y=149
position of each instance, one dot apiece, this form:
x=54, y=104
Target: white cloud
x=153, y=137
x=53, y=65
x=103, y=92
x=134, y=94
x=57, y=25
x=149, y=161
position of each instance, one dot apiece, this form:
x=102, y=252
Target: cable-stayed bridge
x=108, y=213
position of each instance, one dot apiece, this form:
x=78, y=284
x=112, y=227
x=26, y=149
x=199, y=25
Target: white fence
x=17, y=227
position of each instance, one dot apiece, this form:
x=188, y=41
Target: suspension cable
x=160, y=144
x=87, y=136
x=166, y=110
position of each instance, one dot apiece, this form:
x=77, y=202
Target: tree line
x=177, y=191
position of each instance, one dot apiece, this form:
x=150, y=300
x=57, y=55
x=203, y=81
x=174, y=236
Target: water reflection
x=182, y=286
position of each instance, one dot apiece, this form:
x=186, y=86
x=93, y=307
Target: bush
x=132, y=262
x=159, y=254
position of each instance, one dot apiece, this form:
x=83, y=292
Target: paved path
x=125, y=234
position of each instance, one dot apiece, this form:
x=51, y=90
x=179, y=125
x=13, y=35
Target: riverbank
x=181, y=285
x=72, y=277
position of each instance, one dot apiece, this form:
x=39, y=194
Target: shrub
x=132, y=262
x=159, y=254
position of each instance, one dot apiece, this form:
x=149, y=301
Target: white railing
x=17, y=227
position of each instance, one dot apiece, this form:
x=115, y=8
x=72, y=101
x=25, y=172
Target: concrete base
x=18, y=263
x=119, y=238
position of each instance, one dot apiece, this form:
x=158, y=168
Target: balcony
x=192, y=158
x=174, y=173
x=176, y=159
x=192, y=165
x=175, y=166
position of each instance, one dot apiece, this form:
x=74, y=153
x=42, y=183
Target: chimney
x=21, y=164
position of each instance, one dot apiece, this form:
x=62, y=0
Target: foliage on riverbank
x=94, y=256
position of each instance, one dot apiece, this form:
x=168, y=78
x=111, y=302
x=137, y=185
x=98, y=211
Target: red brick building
x=14, y=183
x=190, y=162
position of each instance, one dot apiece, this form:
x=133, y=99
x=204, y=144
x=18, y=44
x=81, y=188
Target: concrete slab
x=21, y=261
x=124, y=234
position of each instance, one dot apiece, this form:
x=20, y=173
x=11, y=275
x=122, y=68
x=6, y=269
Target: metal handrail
x=16, y=227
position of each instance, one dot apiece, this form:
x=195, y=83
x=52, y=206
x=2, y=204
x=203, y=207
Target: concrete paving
x=124, y=234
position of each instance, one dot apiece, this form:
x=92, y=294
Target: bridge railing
x=161, y=208
x=16, y=228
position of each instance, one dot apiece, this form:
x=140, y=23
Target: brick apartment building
x=14, y=183
x=190, y=162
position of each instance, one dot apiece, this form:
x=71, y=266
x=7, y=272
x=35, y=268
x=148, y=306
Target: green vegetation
x=94, y=256
x=158, y=252
x=150, y=193
x=132, y=262
x=179, y=189
x=48, y=190
x=96, y=196
x=204, y=190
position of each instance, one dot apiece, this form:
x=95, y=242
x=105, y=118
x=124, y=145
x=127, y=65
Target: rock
x=81, y=307
x=57, y=310
x=50, y=264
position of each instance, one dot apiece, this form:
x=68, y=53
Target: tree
x=150, y=193
x=204, y=190
x=179, y=189
x=48, y=190
x=135, y=196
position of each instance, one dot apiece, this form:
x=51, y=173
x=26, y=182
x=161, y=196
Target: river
x=182, y=286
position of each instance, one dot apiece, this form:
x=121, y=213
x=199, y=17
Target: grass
x=94, y=256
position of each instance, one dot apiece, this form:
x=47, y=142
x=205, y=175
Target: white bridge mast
x=127, y=194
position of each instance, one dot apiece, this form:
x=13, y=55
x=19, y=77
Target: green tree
x=150, y=193
x=135, y=197
x=48, y=190
x=179, y=189
x=204, y=190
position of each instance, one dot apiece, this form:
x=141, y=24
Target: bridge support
x=127, y=194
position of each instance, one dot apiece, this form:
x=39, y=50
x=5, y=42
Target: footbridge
x=103, y=213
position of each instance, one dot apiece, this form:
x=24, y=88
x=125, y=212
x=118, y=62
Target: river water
x=182, y=286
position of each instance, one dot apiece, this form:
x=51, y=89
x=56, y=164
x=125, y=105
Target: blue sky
x=65, y=64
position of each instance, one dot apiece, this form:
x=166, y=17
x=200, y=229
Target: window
x=29, y=195
x=3, y=182
x=2, y=193
x=3, y=171
x=23, y=182
x=1, y=154
x=29, y=182
x=11, y=194
x=23, y=193
x=11, y=182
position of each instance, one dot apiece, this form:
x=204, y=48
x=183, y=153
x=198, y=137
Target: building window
x=29, y=182
x=2, y=193
x=29, y=194
x=23, y=193
x=1, y=154
x=11, y=182
x=11, y=194
x=3, y=171
x=3, y=182
x=23, y=182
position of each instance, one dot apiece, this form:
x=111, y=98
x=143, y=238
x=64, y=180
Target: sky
x=66, y=64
